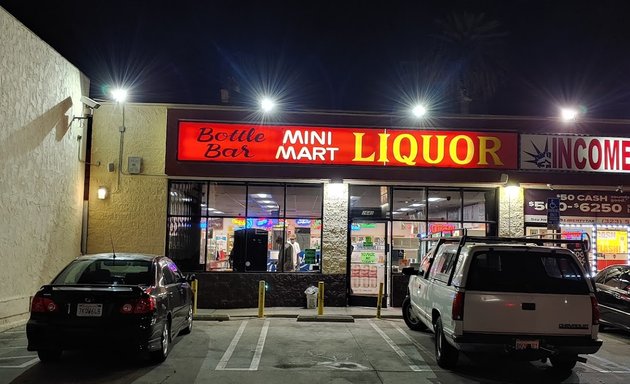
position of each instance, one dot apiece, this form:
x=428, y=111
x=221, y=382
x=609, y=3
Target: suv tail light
x=43, y=305
x=595, y=310
x=458, y=306
x=140, y=306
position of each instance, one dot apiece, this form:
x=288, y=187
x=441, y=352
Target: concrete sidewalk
x=300, y=313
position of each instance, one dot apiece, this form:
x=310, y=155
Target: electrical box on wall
x=134, y=164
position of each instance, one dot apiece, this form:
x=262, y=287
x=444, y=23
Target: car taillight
x=458, y=306
x=594, y=310
x=140, y=306
x=43, y=305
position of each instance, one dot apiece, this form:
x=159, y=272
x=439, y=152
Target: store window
x=417, y=212
x=245, y=227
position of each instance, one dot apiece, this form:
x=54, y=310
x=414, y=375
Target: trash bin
x=311, y=297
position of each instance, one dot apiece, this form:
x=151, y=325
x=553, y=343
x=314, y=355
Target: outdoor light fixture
x=119, y=95
x=101, y=193
x=267, y=105
x=568, y=114
x=419, y=110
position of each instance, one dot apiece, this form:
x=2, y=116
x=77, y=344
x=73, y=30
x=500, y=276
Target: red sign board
x=220, y=142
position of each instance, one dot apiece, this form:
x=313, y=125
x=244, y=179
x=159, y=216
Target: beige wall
x=41, y=188
x=511, y=215
x=134, y=212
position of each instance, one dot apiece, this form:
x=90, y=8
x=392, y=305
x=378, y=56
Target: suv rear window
x=525, y=271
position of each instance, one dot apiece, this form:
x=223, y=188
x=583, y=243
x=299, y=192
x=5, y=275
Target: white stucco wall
x=133, y=216
x=41, y=178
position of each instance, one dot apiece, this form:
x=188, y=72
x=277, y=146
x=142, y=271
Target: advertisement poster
x=222, y=142
x=612, y=248
x=578, y=207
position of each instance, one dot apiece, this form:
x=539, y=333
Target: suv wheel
x=445, y=354
x=411, y=319
x=49, y=355
x=564, y=362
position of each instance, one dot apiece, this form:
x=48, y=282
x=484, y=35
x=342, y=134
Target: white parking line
x=16, y=347
x=23, y=365
x=259, y=347
x=228, y=353
x=397, y=349
x=16, y=357
x=607, y=364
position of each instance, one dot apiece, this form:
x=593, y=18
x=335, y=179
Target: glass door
x=368, y=262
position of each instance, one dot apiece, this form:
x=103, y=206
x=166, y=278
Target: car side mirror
x=191, y=277
x=410, y=271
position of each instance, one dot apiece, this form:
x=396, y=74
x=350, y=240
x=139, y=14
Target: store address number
x=591, y=205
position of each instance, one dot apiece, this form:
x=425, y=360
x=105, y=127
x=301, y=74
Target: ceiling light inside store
x=433, y=199
x=416, y=205
x=262, y=195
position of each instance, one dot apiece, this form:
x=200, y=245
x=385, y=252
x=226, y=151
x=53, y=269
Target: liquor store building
x=343, y=198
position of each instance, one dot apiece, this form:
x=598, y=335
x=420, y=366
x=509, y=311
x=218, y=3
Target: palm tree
x=471, y=49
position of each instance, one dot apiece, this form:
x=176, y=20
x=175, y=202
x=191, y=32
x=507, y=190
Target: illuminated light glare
x=512, y=190
x=267, y=105
x=263, y=195
x=416, y=205
x=119, y=95
x=568, y=114
x=432, y=199
x=266, y=201
x=419, y=110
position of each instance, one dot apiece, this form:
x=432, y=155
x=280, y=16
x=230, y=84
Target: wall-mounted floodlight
x=419, y=110
x=267, y=104
x=101, y=193
x=119, y=95
x=568, y=114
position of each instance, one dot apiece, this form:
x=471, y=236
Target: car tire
x=412, y=321
x=189, y=320
x=445, y=354
x=165, y=345
x=564, y=362
x=49, y=355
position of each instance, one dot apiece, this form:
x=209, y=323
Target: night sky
x=348, y=55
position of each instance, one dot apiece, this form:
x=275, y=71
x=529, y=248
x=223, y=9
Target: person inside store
x=285, y=256
x=295, y=246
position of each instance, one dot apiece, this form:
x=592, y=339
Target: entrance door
x=368, y=262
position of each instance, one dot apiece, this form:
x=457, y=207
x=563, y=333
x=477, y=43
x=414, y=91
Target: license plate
x=89, y=310
x=527, y=344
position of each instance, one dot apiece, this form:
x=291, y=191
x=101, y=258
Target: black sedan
x=613, y=294
x=123, y=301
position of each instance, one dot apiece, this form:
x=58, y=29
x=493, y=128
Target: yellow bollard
x=379, y=301
x=193, y=286
x=320, y=298
x=261, y=298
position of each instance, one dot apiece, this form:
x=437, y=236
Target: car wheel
x=564, y=362
x=411, y=319
x=445, y=354
x=165, y=345
x=189, y=322
x=49, y=355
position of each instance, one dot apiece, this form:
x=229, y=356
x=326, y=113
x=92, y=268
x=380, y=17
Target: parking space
x=279, y=350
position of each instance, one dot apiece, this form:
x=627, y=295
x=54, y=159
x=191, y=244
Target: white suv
x=520, y=297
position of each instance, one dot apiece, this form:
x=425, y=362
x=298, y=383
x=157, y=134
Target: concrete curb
x=327, y=318
x=322, y=318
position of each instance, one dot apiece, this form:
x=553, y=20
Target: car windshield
x=106, y=271
x=525, y=271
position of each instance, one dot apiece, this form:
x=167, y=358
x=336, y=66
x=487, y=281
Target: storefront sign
x=575, y=153
x=219, y=142
x=578, y=207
